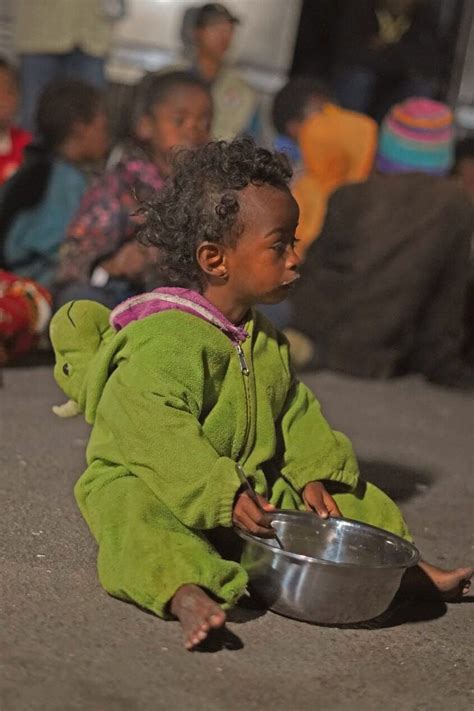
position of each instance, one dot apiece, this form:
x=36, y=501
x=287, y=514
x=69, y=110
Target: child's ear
x=143, y=128
x=212, y=259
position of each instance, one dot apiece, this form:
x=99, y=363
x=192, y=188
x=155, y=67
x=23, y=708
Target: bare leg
x=427, y=580
x=197, y=613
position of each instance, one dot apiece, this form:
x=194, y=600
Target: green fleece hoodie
x=172, y=410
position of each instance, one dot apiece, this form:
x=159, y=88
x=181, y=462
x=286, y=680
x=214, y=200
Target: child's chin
x=275, y=297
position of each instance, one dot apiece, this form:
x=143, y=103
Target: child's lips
x=292, y=281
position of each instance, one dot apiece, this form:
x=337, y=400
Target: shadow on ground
x=400, y=482
x=402, y=611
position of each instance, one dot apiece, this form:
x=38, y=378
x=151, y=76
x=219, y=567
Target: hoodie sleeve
x=310, y=449
x=153, y=420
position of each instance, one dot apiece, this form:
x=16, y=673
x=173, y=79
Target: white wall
x=150, y=35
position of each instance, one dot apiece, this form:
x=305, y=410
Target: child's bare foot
x=451, y=584
x=197, y=613
x=430, y=581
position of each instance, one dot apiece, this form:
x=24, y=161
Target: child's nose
x=294, y=260
x=192, y=132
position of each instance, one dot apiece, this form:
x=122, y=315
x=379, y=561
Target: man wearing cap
x=208, y=31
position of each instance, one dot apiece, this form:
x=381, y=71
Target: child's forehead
x=266, y=200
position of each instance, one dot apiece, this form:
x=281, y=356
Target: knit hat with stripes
x=417, y=136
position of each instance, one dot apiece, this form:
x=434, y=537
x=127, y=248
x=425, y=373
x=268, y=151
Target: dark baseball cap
x=212, y=12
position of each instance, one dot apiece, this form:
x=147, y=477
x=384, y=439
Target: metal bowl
x=330, y=571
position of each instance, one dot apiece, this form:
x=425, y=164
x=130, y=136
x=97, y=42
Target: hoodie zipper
x=245, y=370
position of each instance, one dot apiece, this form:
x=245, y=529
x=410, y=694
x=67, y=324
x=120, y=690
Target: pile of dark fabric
x=384, y=286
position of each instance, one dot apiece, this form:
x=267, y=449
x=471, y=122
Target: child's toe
x=217, y=619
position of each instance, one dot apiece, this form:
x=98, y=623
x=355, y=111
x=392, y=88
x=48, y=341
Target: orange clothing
x=338, y=147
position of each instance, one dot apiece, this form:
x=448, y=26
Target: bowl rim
x=415, y=555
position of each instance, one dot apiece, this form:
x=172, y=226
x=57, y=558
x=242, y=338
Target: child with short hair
x=183, y=382
x=13, y=139
x=100, y=259
x=336, y=146
x=38, y=202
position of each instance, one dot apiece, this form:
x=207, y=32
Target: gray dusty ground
x=67, y=645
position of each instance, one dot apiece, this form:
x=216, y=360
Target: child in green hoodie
x=183, y=382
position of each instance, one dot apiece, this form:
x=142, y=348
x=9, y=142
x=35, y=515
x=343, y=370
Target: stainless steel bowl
x=333, y=571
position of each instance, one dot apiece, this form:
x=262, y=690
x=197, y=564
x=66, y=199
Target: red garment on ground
x=21, y=301
x=11, y=161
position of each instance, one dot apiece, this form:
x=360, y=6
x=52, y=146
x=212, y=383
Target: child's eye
x=178, y=121
x=279, y=247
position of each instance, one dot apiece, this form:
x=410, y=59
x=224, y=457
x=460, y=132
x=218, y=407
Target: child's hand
x=317, y=499
x=249, y=517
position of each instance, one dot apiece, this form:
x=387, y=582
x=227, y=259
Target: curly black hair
x=200, y=202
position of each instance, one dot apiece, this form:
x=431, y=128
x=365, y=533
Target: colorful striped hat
x=417, y=136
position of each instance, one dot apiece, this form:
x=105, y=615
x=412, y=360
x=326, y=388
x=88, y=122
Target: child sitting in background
x=185, y=381
x=38, y=202
x=336, y=147
x=406, y=224
x=13, y=140
x=100, y=260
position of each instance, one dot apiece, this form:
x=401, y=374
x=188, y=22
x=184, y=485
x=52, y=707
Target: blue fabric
x=290, y=148
x=37, y=70
x=255, y=127
x=354, y=88
x=112, y=294
x=279, y=314
x=357, y=89
x=33, y=239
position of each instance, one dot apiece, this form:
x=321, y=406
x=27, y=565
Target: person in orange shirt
x=336, y=146
x=13, y=140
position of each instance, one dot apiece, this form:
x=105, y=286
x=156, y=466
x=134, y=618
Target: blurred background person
x=385, y=52
x=57, y=38
x=13, y=139
x=330, y=146
x=386, y=280
x=100, y=259
x=38, y=202
x=207, y=33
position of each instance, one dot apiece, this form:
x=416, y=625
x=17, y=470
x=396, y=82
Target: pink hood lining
x=177, y=298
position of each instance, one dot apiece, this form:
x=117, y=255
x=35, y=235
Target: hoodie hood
x=84, y=346
x=167, y=298
x=87, y=339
